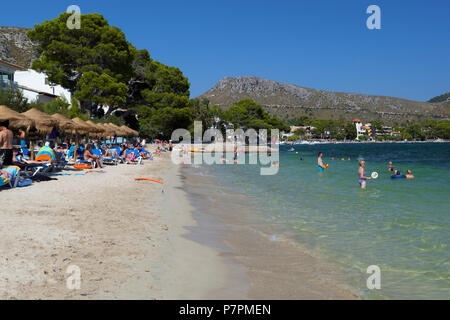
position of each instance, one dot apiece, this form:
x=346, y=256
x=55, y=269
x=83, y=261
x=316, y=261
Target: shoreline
x=273, y=266
x=140, y=240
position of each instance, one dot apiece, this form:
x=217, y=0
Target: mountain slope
x=288, y=101
x=442, y=98
x=15, y=47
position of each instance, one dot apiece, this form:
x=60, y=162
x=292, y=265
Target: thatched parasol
x=119, y=130
x=131, y=131
x=65, y=124
x=99, y=131
x=16, y=120
x=84, y=128
x=43, y=122
x=108, y=131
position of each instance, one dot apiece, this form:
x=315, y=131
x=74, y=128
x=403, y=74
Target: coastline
x=141, y=240
x=273, y=266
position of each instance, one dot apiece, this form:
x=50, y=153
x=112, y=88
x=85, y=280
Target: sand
x=141, y=240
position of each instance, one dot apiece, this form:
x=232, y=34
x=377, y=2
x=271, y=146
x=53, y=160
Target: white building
x=35, y=86
x=7, y=72
x=362, y=130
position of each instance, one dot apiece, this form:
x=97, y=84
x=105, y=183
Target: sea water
x=402, y=226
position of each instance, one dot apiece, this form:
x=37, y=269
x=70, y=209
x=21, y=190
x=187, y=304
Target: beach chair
x=32, y=170
x=133, y=157
x=107, y=159
x=61, y=161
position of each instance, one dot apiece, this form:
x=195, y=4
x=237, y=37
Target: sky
x=322, y=44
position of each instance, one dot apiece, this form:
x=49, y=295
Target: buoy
x=147, y=179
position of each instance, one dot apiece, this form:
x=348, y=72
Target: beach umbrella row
x=16, y=120
x=45, y=123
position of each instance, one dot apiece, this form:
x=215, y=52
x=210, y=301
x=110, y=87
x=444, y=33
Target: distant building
x=7, y=72
x=36, y=87
x=363, y=130
x=360, y=129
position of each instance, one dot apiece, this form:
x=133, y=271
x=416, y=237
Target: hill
x=288, y=101
x=442, y=98
x=15, y=46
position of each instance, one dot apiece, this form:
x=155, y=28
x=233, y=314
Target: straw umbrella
x=65, y=124
x=108, y=131
x=131, y=131
x=16, y=120
x=42, y=121
x=119, y=130
x=83, y=127
x=96, y=130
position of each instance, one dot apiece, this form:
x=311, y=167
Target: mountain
x=15, y=47
x=288, y=101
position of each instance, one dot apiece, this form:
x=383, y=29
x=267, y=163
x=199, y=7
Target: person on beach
x=89, y=156
x=6, y=148
x=409, y=174
x=362, y=174
x=320, y=164
x=22, y=136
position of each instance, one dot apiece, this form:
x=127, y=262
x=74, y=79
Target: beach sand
x=143, y=240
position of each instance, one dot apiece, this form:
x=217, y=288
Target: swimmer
x=320, y=164
x=362, y=174
x=349, y=159
x=390, y=167
x=409, y=174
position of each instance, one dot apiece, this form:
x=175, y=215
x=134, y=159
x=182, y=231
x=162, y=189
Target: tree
x=74, y=57
x=248, y=114
x=14, y=99
x=350, y=131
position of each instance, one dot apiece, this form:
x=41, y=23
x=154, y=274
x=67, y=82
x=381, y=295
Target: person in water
x=362, y=175
x=320, y=164
x=409, y=174
x=390, y=167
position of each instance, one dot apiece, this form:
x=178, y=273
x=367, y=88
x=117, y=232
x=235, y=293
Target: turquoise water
x=402, y=226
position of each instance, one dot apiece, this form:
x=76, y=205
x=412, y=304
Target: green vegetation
x=248, y=114
x=441, y=98
x=344, y=130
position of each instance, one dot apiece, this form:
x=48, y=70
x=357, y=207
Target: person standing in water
x=409, y=174
x=320, y=164
x=362, y=174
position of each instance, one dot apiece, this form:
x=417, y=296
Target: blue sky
x=318, y=44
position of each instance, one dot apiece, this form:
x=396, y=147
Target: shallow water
x=402, y=225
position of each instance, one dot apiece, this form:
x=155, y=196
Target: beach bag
x=24, y=183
